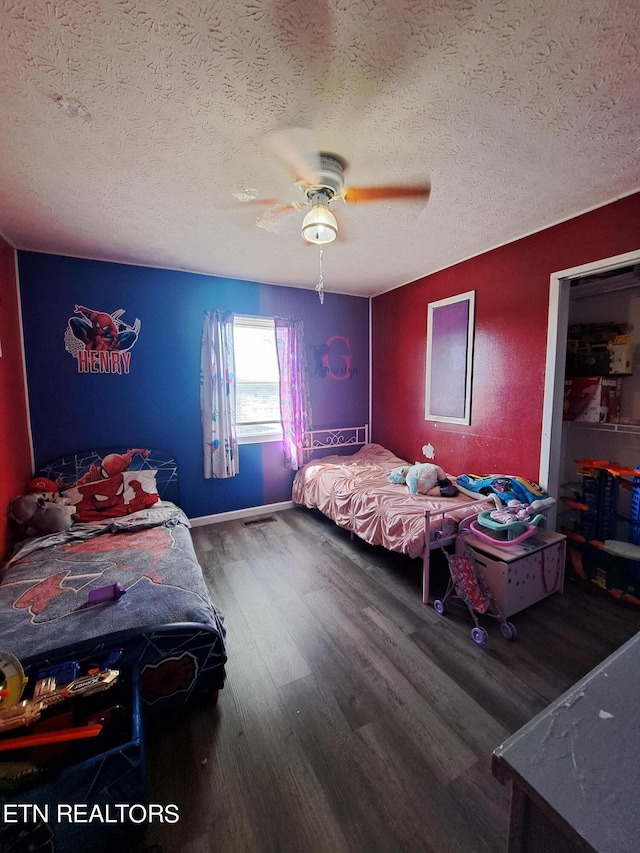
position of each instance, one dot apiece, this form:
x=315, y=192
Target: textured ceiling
x=130, y=128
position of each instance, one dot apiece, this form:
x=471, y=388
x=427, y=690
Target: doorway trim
x=557, y=329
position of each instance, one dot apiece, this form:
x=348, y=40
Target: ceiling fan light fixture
x=319, y=225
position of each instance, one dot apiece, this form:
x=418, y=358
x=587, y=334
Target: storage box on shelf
x=621, y=355
x=592, y=399
x=600, y=495
x=519, y=575
x=599, y=349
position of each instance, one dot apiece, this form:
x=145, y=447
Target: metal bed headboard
x=71, y=467
x=334, y=439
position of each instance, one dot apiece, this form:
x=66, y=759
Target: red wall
x=512, y=299
x=15, y=454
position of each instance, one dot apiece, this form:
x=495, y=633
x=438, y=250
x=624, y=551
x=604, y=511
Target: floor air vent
x=265, y=519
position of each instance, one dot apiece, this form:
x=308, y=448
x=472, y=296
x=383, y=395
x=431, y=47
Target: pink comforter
x=354, y=492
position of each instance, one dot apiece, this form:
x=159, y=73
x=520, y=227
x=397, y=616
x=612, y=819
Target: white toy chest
x=520, y=575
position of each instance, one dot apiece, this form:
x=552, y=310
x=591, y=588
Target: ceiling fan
x=320, y=176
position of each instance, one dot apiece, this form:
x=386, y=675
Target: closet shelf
x=630, y=429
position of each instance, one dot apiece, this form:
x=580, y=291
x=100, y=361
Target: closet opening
x=595, y=294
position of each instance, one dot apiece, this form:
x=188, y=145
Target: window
x=257, y=380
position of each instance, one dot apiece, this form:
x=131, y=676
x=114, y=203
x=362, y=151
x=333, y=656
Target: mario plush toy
x=44, y=488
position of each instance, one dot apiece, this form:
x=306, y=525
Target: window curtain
x=295, y=400
x=218, y=396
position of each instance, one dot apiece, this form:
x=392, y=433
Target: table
x=575, y=768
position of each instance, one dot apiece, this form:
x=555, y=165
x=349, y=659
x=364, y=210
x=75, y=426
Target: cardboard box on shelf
x=599, y=349
x=592, y=399
x=621, y=355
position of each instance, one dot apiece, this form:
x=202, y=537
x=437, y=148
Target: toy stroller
x=468, y=585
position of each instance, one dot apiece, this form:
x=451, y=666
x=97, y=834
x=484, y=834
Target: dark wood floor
x=354, y=718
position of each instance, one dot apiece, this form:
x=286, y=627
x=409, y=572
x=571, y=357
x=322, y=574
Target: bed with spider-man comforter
x=165, y=621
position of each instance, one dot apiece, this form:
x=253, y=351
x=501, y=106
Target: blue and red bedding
x=165, y=620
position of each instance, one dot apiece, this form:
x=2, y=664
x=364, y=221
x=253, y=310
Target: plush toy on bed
x=398, y=476
x=44, y=488
x=32, y=515
x=423, y=478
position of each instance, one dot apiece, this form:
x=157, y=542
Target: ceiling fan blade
x=263, y=212
x=252, y=202
x=273, y=219
x=296, y=147
x=402, y=191
x=343, y=229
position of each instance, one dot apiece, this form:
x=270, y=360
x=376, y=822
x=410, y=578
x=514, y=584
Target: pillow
x=114, y=496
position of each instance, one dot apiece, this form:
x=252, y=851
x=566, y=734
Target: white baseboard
x=240, y=513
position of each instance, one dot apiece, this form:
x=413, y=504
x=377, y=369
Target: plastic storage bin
x=97, y=772
x=520, y=575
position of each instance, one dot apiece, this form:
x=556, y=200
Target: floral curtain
x=218, y=396
x=295, y=400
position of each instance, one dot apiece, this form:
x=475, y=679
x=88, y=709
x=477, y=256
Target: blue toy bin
x=505, y=534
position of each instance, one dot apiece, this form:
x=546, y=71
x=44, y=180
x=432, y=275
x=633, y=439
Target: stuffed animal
x=47, y=489
x=34, y=516
x=398, y=476
x=425, y=478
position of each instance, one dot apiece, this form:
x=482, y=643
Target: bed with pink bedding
x=353, y=491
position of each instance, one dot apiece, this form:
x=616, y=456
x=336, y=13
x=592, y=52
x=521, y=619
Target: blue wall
x=156, y=404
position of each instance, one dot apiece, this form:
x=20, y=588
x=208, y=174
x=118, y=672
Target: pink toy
x=529, y=530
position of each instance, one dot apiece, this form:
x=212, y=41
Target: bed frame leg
x=425, y=557
x=425, y=576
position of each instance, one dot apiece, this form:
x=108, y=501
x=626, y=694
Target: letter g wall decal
x=333, y=359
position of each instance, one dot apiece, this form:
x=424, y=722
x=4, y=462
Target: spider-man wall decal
x=100, y=342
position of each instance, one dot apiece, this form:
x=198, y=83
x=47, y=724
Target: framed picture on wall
x=450, y=331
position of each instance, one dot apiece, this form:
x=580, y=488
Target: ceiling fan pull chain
x=320, y=284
